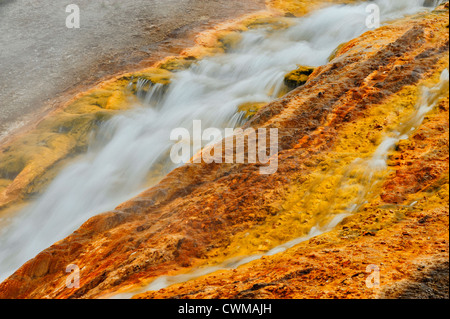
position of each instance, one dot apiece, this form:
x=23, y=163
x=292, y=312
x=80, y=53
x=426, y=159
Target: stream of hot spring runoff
x=133, y=143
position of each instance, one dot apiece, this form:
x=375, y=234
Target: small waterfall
x=128, y=146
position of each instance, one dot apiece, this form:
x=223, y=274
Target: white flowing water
x=128, y=146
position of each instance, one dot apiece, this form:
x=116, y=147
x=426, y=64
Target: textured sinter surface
x=355, y=142
x=332, y=132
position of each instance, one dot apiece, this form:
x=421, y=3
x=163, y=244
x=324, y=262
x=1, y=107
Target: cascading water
x=129, y=145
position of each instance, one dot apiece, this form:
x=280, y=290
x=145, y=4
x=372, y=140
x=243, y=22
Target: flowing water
x=132, y=144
